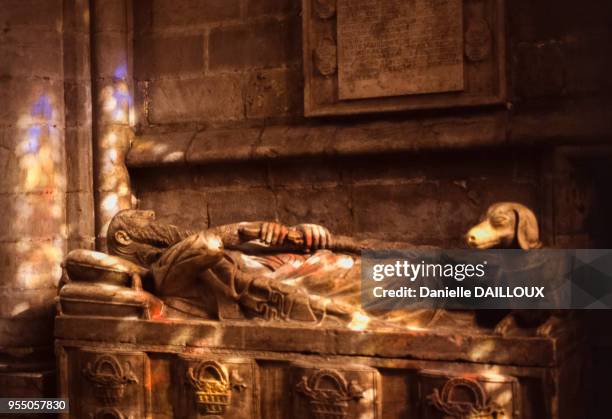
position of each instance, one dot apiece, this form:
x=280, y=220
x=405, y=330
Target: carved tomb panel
x=467, y=396
x=110, y=385
x=335, y=392
x=210, y=385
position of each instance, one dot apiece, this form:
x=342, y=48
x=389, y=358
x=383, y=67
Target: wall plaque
x=391, y=55
x=397, y=47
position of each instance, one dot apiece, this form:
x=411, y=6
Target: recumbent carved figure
x=268, y=270
x=223, y=273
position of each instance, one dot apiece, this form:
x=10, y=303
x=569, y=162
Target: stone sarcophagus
x=137, y=368
x=137, y=337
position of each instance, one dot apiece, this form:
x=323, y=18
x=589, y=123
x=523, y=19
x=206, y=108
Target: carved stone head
x=506, y=225
x=125, y=222
x=136, y=235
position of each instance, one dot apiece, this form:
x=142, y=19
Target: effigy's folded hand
x=306, y=237
x=273, y=234
x=314, y=236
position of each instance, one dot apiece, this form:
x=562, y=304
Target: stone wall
x=208, y=63
x=220, y=88
x=427, y=198
x=32, y=190
x=46, y=182
x=217, y=62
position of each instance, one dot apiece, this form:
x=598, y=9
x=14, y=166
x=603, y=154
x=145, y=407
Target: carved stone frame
x=321, y=87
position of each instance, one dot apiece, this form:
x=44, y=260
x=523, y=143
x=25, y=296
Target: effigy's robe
x=321, y=287
x=286, y=286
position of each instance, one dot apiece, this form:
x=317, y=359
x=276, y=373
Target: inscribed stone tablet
x=399, y=47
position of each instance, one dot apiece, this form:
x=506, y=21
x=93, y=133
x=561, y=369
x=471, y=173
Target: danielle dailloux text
x=491, y=279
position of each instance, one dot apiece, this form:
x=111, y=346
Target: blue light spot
x=33, y=141
x=121, y=71
x=121, y=96
x=42, y=107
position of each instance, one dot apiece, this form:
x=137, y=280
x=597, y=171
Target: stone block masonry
x=33, y=236
x=431, y=199
x=267, y=44
x=216, y=63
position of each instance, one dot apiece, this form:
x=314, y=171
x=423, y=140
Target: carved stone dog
x=506, y=225
x=510, y=225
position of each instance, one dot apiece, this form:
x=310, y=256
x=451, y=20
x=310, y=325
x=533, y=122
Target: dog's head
x=506, y=225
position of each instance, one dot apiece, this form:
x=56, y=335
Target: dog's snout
x=470, y=239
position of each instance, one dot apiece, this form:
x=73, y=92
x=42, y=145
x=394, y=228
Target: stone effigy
x=216, y=274
x=266, y=270
x=262, y=270
x=258, y=319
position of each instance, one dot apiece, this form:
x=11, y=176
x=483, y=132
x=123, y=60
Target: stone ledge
x=566, y=125
x=253, y=336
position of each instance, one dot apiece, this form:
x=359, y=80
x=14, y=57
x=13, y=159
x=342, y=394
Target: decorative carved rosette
x=212, y=387
x=329, y=394
x=109, y=378
x=325, y=57
x=479, y=408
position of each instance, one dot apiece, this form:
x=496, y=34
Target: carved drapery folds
x=329, y=394
x=479, y=407
x=109, y=378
